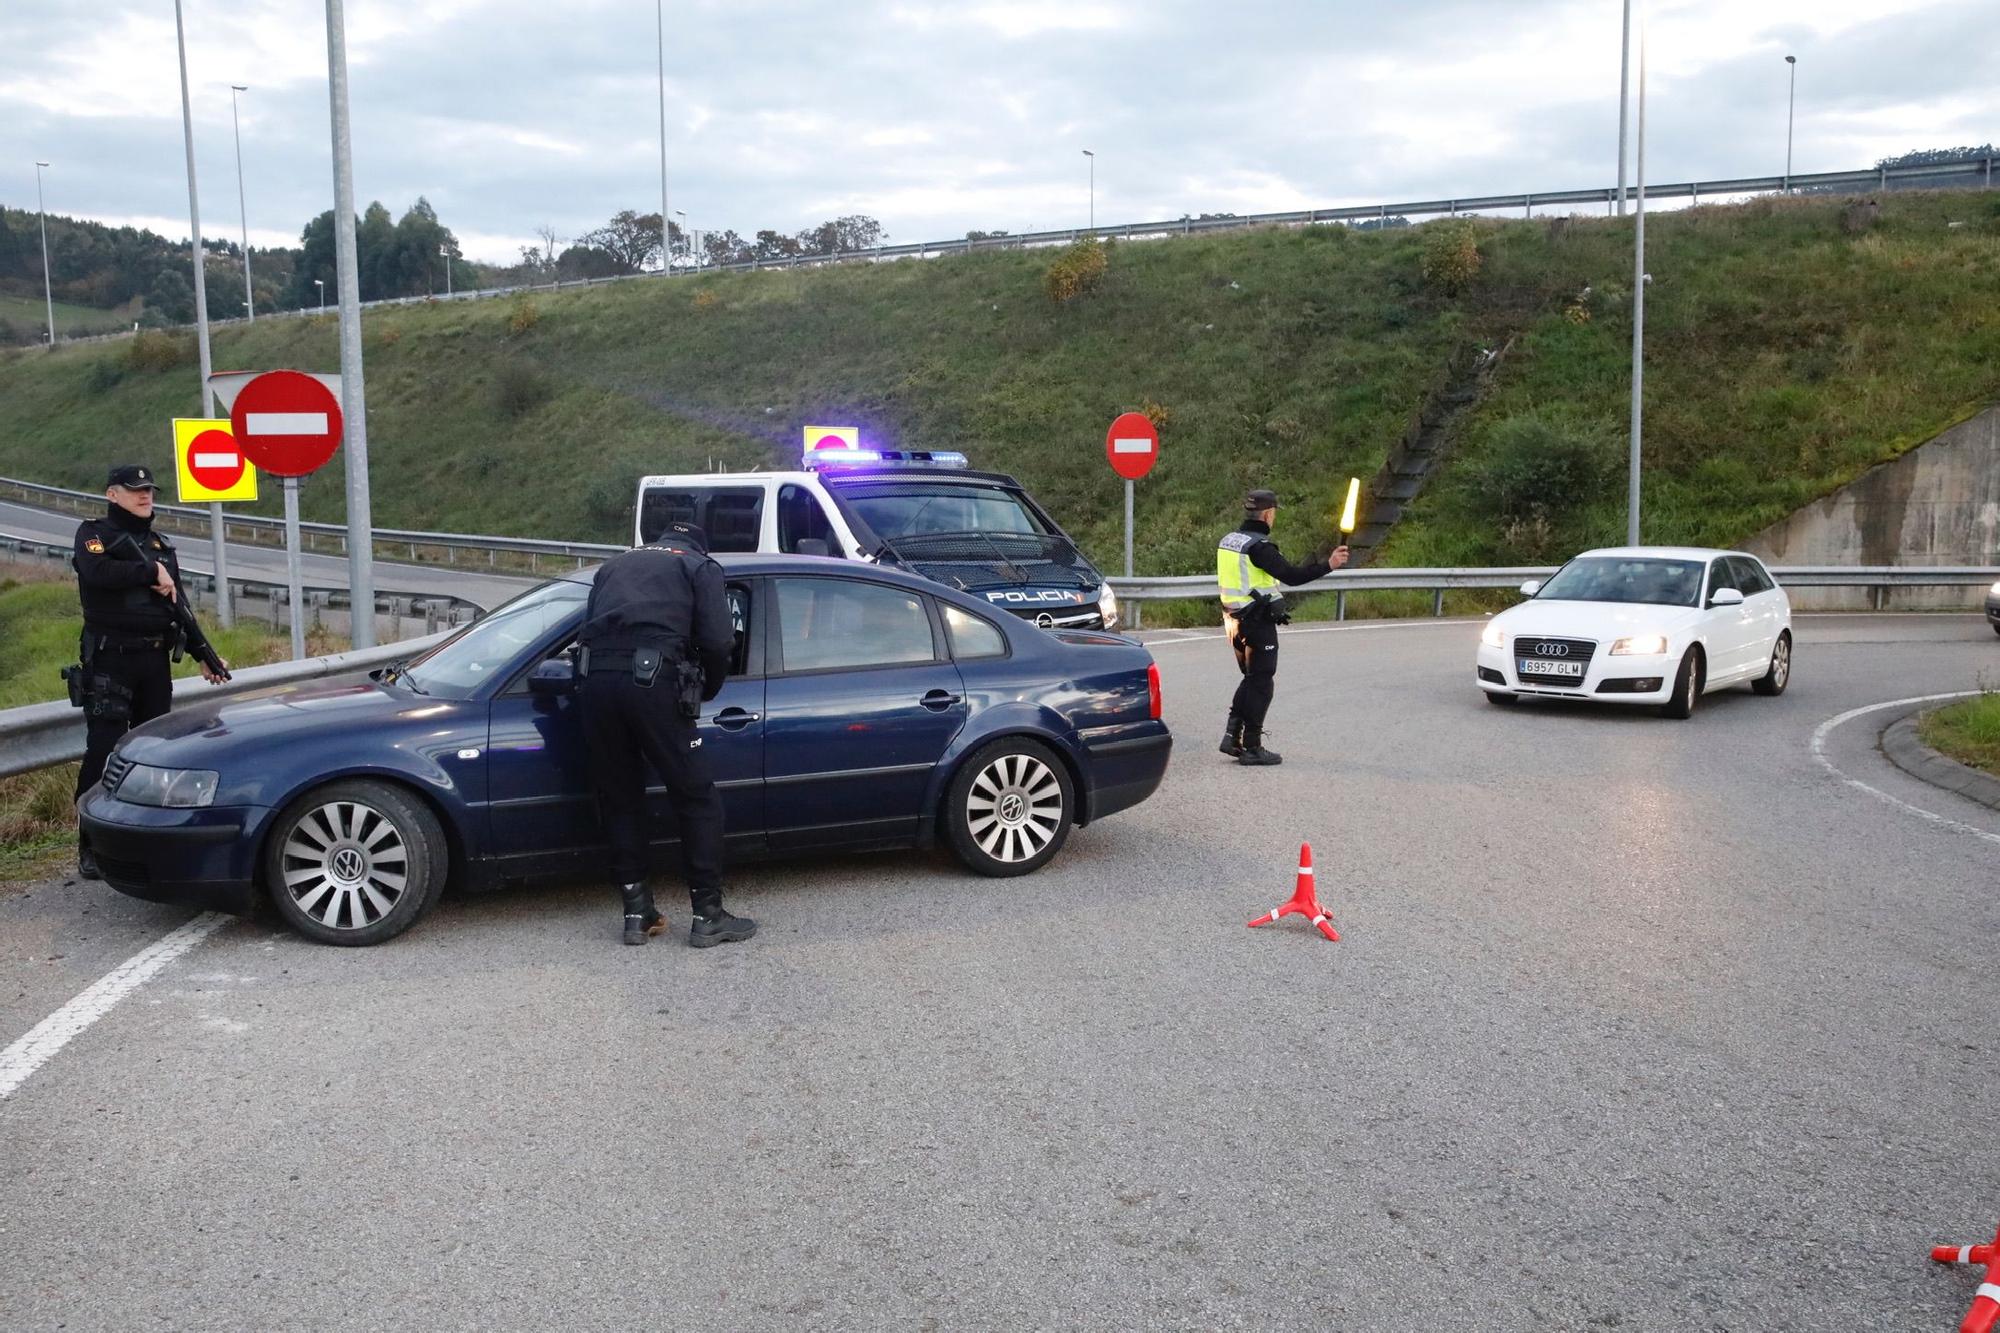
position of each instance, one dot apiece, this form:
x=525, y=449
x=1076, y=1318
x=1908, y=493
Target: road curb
x=1907, y=752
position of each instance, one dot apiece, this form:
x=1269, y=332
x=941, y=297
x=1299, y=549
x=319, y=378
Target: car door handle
x=939, y=700
x=734, y=719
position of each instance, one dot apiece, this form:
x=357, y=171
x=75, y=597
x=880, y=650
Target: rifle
x=186, y=631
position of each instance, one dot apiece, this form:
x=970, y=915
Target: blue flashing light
x=821, y=457
x=846, y=457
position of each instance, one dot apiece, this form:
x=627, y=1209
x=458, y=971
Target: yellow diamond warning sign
x=207, y=463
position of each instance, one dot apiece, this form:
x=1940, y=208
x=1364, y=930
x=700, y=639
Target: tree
x=838, y=236
x=725, y=247
x=770, y=245
x=375, y=253
x=589, y=261
x=630, y=240
x=172, y=296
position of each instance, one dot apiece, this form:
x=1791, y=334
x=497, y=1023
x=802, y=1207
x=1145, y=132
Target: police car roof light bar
x=842, y=457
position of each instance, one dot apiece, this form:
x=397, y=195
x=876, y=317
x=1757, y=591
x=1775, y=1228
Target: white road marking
x=53, y=1033
x=284, y=423
x=1205, y=635
x=1826, y=728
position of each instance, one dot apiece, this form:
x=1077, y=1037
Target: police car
x=922, y=510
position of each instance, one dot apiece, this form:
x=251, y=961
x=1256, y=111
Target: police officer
x=1248, y=566
x=656, y=643
x=128, y=579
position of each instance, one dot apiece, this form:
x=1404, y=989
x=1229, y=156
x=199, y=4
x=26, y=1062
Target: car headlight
x=174, y=788
x=1640, y=645
x=1107, y=606
x=1995, y=590
x=1492, y=636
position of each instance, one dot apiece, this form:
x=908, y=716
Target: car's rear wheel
x=1504, y=700
x=1687, y=686
x=355, y=862
x=1773, y=681
x=1010, y=808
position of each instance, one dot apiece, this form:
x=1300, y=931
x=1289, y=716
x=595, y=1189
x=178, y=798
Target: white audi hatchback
x=1653, y=625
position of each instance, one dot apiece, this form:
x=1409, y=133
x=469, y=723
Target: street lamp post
x=1093, y=190
x=444, y=253
x=321, y=284
x=1791, y=100
x=1624, y=66
x=243, y=210
x=1638, y=313
x=693, y=253
x=48, y=290
x=666, y=228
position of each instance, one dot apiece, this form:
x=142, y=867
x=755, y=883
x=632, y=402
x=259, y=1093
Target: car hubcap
x=1781, y=663
x=345, y=865
x=1014, y=808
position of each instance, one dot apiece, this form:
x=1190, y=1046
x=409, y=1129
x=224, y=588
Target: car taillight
x=1153, y=689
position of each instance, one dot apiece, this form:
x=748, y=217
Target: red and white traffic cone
x=1305, y=901
x=1985, y=1311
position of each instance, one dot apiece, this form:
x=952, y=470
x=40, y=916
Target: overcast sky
x=936, y=118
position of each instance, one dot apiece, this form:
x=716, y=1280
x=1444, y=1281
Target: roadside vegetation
x=1791, y=344
x=1968, y=732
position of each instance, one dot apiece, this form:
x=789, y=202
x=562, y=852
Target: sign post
x=289, y=424
x=1132, y=446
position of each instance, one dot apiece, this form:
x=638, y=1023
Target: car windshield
x=456, y=668
x=916, y=509
x=1626, y=579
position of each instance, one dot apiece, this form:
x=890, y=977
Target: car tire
x=1687, y=686
x=1996, y=629
x=1773, y=681
x=355, y=862
x=1504, y=700
x=1009, y=808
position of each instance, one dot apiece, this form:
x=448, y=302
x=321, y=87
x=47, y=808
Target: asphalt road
x=266, y=564
x=1634, y=1024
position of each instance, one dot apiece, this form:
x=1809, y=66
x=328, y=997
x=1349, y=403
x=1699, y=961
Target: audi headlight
x=1640, y=645
x=1492, y=636
x=173, y=788
x=1107, y=606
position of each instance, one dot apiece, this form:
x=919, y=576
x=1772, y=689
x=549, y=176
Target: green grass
x=29, y=317
x=1969, y=732
x=1784, y=357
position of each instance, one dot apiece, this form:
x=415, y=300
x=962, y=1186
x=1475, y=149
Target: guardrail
x=41, y=735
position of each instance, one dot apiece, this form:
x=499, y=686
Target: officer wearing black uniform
x=656, y=643
x=128, y=578
x=1248, y=568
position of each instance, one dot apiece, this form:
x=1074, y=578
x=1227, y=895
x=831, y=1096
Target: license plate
x=1536, y=666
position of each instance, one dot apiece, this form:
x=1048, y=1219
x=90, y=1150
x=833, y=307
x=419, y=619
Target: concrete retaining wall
x=1939, y=504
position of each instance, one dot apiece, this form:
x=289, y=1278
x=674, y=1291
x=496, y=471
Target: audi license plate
x=1535, y=666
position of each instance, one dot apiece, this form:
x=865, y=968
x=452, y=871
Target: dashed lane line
x=1826, y=729
x=53, y=1033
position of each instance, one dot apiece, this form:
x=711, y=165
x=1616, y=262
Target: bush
x=104, y=374
x=160, y=351
x=1535, y=470
x=1451, y=256
x=519, y=389
x=1077, y=271
x=523, y=316
x=706, y=300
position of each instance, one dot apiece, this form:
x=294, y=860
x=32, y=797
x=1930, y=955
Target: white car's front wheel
x=1687, y=687
x=1774, y=680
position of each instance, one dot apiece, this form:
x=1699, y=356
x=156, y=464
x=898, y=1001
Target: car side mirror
x=552, y=678
x=1725, y=597
x=1531, y=587
x=810, y=546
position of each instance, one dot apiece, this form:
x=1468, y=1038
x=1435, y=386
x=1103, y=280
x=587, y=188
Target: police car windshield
x=917, y=509
x=490, y=646
x=1616, y=579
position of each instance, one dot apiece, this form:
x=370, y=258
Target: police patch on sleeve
x=94, y=546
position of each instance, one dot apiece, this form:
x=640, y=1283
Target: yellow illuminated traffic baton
x=1347, y=510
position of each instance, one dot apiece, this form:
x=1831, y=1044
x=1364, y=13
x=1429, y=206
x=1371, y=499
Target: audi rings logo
x=347, y=864
x=1045, y=621
x=1552, y=650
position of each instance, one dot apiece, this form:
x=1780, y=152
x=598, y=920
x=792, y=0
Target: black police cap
x=133, y=477
x=689, y=533
x=1257, y=501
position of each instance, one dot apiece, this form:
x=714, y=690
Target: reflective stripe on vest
x=1235, y=576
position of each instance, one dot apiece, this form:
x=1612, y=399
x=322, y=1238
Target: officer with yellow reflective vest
x=1248, y=568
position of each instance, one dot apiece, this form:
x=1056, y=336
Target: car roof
x=860, y=472
x=1660, y=552
x=747, y=564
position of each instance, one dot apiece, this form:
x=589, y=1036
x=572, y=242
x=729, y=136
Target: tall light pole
x=692, y=252
x=321, y=284
x=1093, y=190
x=353, y=390
x=666, y=228
x=217, y=535
x=250, y=296
x=1624, y=66
x=1638, y=312
x=444, y=253
x=48, y=291
x=1791, y=100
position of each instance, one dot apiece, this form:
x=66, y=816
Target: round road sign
x=215, y=461
x=287, y=422
x=1132, y=445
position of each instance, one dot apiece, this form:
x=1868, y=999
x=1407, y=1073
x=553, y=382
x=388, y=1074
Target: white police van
x=925, y=511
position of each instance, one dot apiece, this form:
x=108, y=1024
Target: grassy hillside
x=1784, y=355
x=28, y=317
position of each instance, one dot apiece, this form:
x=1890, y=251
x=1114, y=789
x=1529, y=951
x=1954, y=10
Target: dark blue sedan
x=865, y=709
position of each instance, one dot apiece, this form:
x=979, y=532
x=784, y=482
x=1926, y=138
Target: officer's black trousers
x=628, y=728
x=147, y=675
x=1256, y=645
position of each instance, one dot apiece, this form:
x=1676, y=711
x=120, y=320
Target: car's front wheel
x=1774, y=680
x=1010, y=808
x=355, y=862
x=1687, y=687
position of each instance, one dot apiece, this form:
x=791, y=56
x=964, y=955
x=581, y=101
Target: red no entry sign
x=215, y=461
x=287, y=422
x=1132, y=445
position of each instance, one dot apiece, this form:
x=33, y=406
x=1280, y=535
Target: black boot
x=1254, y=754
x=642, y=919
x=86, y=861
x=713, y=925
x=1232, y=736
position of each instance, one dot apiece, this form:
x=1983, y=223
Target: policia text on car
x=134, y=620
x=1248, y=568
x=655, y=645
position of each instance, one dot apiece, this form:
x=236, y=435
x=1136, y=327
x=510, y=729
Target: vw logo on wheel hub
x=347, y=864
x=1011, y=807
